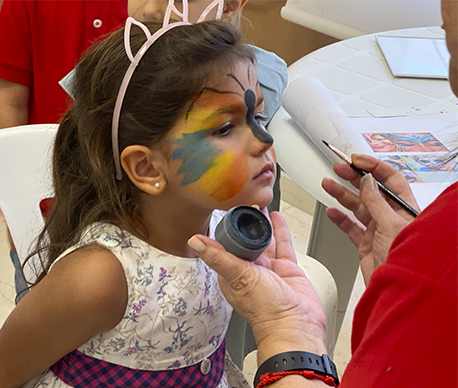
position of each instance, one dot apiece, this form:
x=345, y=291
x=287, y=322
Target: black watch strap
x=293, y=361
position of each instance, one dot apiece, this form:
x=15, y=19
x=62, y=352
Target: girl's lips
x=266, y=172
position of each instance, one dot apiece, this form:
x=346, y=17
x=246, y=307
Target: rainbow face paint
x=214, y=164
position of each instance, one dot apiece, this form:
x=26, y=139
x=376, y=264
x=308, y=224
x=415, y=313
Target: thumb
x=379, y=209
x=217, y=258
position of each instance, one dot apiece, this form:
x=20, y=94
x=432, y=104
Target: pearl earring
x=157, y=185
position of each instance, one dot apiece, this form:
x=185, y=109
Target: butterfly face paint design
x=250, y=101
x=213, y=137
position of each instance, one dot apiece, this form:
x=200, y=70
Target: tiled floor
x=299, y=223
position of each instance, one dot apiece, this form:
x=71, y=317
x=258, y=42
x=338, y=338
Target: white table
x=358, y=77
x=344, y=19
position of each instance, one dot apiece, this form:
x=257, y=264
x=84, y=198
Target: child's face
x=148, y=10
x=219, y=154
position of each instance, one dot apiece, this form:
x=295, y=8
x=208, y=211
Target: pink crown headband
x=134, y=60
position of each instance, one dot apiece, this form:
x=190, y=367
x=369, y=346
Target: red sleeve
x=405, y=325
x=15, y=42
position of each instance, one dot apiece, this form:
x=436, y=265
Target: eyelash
x=258, y=118
x=224, y=130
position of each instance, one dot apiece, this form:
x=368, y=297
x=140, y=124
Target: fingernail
x=196, y=244
x=256, y=207
x=367, y=182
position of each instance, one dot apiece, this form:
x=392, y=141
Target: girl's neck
x=170, y=227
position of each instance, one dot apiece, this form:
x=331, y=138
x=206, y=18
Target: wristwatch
x=295, y=361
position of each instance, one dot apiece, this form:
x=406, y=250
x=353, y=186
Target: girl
x=123, y=300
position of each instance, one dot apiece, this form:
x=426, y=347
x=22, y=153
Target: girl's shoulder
x=91, y=280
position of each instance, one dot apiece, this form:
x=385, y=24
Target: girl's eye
x=258, y=118
x=224, y=130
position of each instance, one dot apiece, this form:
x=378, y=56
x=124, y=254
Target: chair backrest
x=25, y=179
x=344, y=19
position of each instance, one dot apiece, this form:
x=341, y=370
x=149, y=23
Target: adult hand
x=378, y=219
x=272, y=294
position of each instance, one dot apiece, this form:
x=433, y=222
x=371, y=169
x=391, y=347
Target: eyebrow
x=223, y=110
x=229, y=109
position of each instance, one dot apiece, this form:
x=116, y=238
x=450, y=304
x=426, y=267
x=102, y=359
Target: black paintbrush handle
x=388, y=192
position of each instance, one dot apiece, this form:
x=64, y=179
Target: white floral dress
x=172, y=331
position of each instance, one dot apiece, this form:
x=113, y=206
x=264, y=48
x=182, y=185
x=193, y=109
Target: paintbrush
x=381, y=186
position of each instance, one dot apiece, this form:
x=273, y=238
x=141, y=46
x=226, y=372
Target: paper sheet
x=415, y=145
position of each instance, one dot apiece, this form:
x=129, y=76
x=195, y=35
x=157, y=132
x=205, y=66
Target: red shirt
x=405, y=325
x=42, y=40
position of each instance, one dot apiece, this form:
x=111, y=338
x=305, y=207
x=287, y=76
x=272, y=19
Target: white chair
x=344, y=19
x=25, y=176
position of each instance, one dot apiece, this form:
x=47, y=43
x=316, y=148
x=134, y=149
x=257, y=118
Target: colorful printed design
x=404, y=142
x=135, y=311
x=207, y=283
x=163, y=279
x=418, y=168
x=81, y=371
x=180, y=338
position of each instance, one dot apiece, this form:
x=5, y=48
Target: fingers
x=284, y=245
x=217, y=258
x=346, y=198
x=384, y=173
x=350, y=226
x=380, y=211
x=389, y=176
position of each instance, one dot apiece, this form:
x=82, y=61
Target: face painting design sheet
x=418, y=146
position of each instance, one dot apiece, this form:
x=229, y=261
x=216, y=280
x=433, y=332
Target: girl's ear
x=232, y=8
x=144, y=167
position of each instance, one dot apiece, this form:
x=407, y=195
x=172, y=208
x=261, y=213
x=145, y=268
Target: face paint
x=227, y=178
x=220, y=174
x=197, y=154
x=213, y=143
x=250, y=101
x=259, y=132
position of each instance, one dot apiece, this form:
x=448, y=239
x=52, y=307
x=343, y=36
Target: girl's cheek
x=227, y=178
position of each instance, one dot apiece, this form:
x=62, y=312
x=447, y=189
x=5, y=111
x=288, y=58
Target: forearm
x=14, y=100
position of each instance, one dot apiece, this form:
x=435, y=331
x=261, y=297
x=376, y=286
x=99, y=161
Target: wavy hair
x=170, y=74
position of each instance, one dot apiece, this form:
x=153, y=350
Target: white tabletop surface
x=358, y=77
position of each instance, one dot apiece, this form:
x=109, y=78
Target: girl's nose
x=259, y=132
x=260, y=142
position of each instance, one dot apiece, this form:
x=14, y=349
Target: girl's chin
x=263, y=201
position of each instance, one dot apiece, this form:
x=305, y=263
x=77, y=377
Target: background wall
x=265, y=28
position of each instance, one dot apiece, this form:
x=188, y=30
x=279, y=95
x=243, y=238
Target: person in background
x=41, y=41
x=405, y=325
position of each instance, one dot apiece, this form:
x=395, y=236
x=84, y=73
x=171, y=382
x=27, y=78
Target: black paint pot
x=245, y=232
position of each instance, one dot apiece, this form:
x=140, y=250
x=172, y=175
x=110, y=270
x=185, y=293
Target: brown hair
x=168, y=77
